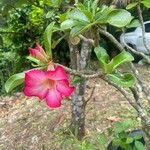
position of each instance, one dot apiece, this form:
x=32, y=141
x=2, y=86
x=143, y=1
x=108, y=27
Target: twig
x=142, y=25
x=134, y=51
x=112, y=39
x=136, y=93
x=91, y=41
x=92, y=92
x=145, y=87
x=84, y=74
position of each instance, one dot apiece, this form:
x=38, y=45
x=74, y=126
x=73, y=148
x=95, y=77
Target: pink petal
x=34, y=84
x=40, y=49
x=34, y=77
x=58, y=74
x=38, y=91
x=53, y=98
x=64, y=88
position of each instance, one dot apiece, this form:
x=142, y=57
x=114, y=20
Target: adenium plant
x=49, y=81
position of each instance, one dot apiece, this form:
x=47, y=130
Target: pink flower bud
x=39, y=53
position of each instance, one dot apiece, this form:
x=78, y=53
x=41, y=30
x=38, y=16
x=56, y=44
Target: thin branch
x=111, y=38
x=144, y=86
x=91, y=41
x=137, y=96
x=93, y=89
x=137, y=52
x=84, y=74
x=142, y=25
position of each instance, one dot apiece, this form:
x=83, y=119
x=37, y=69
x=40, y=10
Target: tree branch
x=84, y=74
x=112, y=39
x=142, y=25
x=91, y=41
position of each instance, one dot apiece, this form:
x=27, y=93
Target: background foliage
x=22, y=23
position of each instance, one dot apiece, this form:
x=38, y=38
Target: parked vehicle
x=134, y=38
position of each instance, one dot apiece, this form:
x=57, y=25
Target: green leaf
x=56, y=42
x=67, y=24
x=14, y=81
x=84, y=9
x=122, y=126
x=118, y=127
x=102, y=56
x=121, y=58
x=131, y=5
x=119, y=18
x=102, y=15
x=78, y=15
x=55, y=3
x=127, y=124
x=146, y=3
x=94, y=7
x=102, y=139
x=63, y=16
x=134, y=23
x=50, y=14
x=126, y=80
x=47, y=39
x=76, y=30
x=138, y=136
x=139, y=145
x=77, y=79
x=80, y=29
x=33, y=59
x=129, y=140
x=116, y=142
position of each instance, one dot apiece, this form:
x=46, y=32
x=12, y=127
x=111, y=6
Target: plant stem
x=78, y=100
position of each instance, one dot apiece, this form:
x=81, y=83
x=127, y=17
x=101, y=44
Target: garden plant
x=81, y=24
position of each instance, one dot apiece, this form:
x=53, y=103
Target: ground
x=28, y=124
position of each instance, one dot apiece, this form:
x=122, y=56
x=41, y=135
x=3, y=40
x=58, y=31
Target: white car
x=134, y=38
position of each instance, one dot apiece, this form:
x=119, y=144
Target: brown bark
x=78, y=100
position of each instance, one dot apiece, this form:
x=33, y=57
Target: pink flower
x=51, y=85
x=39, y=53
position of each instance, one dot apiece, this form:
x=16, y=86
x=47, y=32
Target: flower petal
x=34, y=77
x=40, y=49
x=53, y=98
x=34, y=84
x=58, y=74
x=38, y=91
x=64, y=88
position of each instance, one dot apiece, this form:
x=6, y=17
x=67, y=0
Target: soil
x=28, y=124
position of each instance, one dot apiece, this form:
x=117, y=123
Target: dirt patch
x=27, y=123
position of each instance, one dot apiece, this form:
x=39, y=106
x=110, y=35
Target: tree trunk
x=78, y=100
